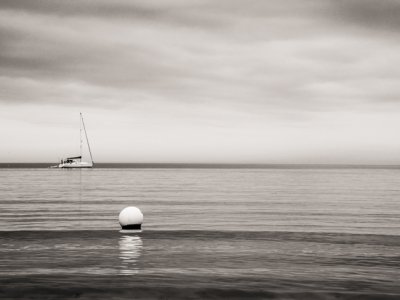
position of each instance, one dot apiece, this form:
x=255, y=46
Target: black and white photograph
x=200, y=149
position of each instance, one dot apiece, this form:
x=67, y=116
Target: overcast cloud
x=306, y=81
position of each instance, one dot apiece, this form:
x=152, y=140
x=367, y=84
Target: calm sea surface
x=282, y=233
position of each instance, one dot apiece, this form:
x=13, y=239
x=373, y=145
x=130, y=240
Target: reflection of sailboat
x=76, y=162
x=130, y=248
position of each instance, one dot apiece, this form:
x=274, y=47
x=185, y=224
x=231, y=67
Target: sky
x=204, y=81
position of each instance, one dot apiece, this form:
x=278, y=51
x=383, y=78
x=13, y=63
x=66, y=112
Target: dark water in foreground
x=199, y=264
x=208, y=233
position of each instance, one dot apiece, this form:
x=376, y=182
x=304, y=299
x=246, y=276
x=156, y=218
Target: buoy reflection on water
x=130, y=249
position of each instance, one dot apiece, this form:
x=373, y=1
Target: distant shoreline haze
x=209, y=166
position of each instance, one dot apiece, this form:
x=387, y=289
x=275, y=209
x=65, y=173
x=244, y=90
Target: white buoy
x=131, y=218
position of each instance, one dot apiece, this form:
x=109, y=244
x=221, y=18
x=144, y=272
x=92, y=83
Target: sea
x=209, y=232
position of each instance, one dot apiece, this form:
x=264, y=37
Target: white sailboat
x=76, y=161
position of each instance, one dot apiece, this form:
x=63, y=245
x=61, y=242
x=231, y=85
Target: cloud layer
x=265, y=81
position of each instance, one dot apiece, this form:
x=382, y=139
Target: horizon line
x=185, y=165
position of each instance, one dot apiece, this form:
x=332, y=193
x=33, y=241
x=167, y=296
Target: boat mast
x=80, y=132
x=87, y=140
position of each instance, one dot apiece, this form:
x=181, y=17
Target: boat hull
x=77, y=165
